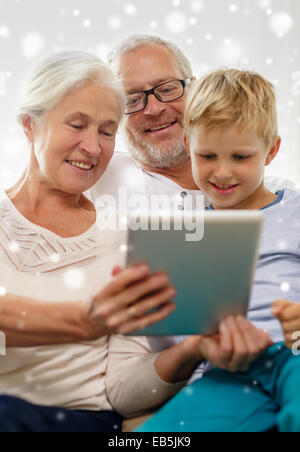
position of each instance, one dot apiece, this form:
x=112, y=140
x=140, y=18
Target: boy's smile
x=229, y=166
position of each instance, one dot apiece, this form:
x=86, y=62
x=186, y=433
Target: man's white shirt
x=123, y=172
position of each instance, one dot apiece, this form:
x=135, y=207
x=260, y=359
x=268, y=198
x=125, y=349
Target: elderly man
x=156, y=76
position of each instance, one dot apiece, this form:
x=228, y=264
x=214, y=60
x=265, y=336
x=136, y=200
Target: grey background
x=261, y=35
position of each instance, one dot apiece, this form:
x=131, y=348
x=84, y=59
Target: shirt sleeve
x=132, y=383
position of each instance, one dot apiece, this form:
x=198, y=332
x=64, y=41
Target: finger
x=150, y=319
x=279, y=306
x=290, y=326
x=291, y=312
x=123, y=280
x=117, y=270
x=139, y=291
x=240, y=351
x=257, y=341
x=226, y=344
x=142, y=308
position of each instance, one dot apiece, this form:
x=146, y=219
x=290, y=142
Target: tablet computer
x=213, y=276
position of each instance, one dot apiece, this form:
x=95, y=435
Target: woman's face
x=74, y=142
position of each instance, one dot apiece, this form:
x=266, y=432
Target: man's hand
x=288, y=314
x=237, y=346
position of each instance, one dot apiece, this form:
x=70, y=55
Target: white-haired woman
x=52, y=256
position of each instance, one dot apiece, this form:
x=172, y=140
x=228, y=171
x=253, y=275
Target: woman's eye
x=107, y=134
x=77, y=126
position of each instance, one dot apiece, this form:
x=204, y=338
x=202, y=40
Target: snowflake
x=269, y=364
x=189, y=391
x=4, y=32
x=285, y=287
x=87, y=23
x=247, y=390
x=3, y=291
x=197, y=6
x=124, y=248
x=13, y=247
x=233, y=8
x=176, y=23
x=55, y=258
x=130, y=9
x=74, y=278
x=60, y=416
x=32, y=44
x=114, y=22
x=265, y=4
x=281, y=23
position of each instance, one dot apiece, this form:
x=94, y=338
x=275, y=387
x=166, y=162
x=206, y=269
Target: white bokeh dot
x=197, y=6
x=5, y=32
x=176, y=23
x=87, y=23
x=114, y=23
x=281, y=23
x=32, y=44
x=74, y=278
x=3, y=291
x=233, y=8
x=130, y=9
x=285, y=287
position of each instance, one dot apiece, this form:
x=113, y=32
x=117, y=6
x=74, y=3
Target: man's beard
x=160, y=156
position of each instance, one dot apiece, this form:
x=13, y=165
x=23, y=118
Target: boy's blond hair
x=231, y=97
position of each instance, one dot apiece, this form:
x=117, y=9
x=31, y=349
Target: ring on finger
x=132, y=311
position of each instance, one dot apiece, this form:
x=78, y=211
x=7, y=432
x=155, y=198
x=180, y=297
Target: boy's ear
x=28, y=127
x=273, y=151
x=187, y=145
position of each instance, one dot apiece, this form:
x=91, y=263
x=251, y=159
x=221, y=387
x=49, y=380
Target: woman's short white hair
x=136, y=41
x=61, y=73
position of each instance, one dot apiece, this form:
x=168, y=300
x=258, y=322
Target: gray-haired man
x=156, y=75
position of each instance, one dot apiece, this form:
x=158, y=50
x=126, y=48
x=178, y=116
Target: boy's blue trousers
x=266, y=396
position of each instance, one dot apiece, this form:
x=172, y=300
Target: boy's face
x=229, y=165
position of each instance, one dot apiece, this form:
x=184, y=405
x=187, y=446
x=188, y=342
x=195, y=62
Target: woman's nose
x=91, y=143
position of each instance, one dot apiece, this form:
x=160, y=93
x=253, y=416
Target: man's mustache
x=150, y=125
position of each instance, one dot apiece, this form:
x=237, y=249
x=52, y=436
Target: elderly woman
x=53, y=256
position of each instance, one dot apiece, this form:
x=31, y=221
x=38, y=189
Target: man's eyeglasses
x=166, y=92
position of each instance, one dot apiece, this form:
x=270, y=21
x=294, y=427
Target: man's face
x=155, y=134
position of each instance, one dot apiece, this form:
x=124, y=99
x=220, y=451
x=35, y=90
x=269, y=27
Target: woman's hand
x=237, y=346
x=123, y=305
x=288, y=314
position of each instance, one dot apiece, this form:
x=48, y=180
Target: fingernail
x=275, y=311
x=143, y=269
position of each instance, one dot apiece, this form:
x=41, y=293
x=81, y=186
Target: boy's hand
x=237, y=346
x=288, y=314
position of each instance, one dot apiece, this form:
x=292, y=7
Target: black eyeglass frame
x=148, y=92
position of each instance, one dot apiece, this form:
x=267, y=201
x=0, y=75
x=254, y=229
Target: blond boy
x=232, y=135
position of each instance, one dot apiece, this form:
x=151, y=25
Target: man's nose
x=91, y=142
x=154, y=107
